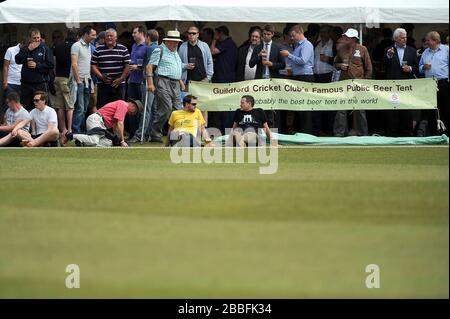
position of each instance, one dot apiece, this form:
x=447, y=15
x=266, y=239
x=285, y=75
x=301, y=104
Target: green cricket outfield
x=140, y=226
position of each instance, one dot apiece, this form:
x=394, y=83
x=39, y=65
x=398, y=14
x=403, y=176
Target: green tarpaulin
x=306, y=139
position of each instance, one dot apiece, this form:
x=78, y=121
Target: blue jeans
x=13, y=88
x=81, y=106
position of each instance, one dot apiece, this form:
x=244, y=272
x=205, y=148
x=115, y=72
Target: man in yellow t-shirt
x=187, y=124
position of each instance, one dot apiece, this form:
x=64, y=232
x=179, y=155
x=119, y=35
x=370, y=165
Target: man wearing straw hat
x=164, y=76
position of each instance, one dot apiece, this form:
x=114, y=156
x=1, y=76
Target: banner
x=283, y=94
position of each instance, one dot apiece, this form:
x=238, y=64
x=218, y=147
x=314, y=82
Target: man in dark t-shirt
x=60, y=97
x=246, y=124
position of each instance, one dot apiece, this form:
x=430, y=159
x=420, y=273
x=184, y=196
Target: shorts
x=61, y=98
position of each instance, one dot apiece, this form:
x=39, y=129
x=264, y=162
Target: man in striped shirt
x=110, y=65
x=167, y=62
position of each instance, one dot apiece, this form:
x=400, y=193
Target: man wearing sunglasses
x=44, y=124
x=196, y=58
x=187, y=124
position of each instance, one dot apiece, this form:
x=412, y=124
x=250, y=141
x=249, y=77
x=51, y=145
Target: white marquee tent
x=325, y=11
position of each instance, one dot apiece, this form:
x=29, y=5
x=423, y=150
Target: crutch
x=145, y=112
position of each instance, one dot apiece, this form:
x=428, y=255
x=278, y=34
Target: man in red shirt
x=110, y=116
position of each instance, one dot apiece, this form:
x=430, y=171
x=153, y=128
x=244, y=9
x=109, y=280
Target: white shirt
x=42, y=118
x=326, y=49
x=14, y=69
x=249, y=73
x=21, y=114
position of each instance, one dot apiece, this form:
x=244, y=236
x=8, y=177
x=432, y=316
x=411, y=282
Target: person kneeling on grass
x=246, y=123
x=16, y=118
x=44, y=124
x=186, y=124
x=99, y=124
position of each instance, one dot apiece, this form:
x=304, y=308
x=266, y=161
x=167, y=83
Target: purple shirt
x=137, y=52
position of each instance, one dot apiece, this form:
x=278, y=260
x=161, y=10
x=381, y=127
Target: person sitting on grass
x=246, y=123
x=16, y=118
x=109, y=117
x=186, y=124
x=44, y=124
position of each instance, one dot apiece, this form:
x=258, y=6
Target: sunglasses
x=194, y=104
x=36, y=100
x=192, y=33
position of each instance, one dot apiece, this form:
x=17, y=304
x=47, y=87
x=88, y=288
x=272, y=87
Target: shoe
x=69, y=136
x=134, y=139
x=155, y=140
x=291, y=131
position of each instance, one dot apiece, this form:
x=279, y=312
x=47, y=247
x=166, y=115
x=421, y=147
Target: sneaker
x=69, y=136
x=134, y=139
x=155, y=140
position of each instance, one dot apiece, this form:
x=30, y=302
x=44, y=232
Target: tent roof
x=325, y=11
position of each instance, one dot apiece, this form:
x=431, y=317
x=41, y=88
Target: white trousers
x=93, y=121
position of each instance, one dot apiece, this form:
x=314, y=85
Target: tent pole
x=361, y=33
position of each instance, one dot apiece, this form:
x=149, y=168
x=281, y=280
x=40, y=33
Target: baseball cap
x=351, y=33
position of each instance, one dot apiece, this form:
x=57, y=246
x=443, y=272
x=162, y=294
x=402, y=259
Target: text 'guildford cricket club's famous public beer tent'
x=325, y=11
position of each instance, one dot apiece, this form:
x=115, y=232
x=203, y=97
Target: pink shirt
x=114, y=112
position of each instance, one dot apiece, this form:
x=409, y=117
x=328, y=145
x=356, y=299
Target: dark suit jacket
x=240, y=66
x=393, y=66
x=274, y=56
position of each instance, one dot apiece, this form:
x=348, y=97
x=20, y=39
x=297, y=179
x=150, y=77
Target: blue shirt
x=137, y=53
x=148, y=52
x=302, y=59
x=438, y=60
x=400, y=53
x=92, y=47
x=169, y=65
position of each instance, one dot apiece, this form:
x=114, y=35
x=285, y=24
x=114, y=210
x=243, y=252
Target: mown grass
x=140, y=226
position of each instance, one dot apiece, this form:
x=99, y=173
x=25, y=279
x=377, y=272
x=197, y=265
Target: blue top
x=137, y=52
x=302, y=59
x=148, y=53
x=207, y=59
x=439, y=62
x=92, y=47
